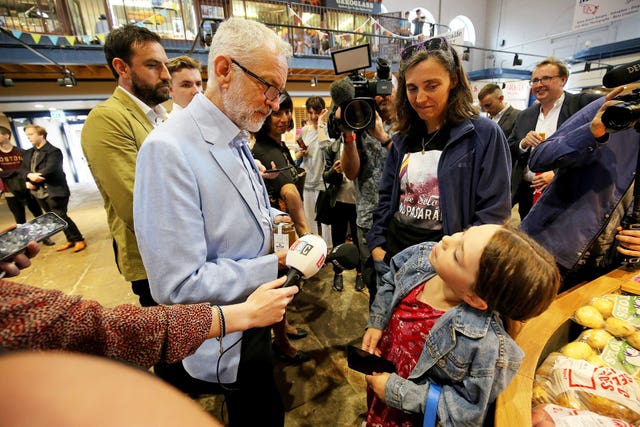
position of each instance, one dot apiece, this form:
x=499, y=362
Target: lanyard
x=431, y=405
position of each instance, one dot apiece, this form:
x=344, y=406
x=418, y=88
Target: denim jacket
x=468, y=351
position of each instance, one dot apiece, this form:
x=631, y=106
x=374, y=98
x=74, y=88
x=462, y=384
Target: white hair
x=242, y=39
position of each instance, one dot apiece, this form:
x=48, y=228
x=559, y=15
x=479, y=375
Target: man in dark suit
x=48, y=183
x=492, y=102
x=538, y=122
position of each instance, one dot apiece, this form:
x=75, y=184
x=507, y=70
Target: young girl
x=437, y=316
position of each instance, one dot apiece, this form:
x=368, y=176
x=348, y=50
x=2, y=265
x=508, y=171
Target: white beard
x=236, y=107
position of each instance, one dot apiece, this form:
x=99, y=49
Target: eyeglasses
x=544, y=80
x=434, y=44
x=271, y=92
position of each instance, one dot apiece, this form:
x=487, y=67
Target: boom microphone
x=341, y=91
x=622, y=75
x=305, y=258
x=345, y=256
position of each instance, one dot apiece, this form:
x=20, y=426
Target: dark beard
x=151, y=96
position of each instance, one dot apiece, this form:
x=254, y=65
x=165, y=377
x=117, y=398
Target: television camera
x=623, y=116
x=355, y=94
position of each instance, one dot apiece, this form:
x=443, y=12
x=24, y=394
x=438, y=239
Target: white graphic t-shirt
x=419, y=193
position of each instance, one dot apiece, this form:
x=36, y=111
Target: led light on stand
x=516, y=60
x=68, y=79
x=6, y=82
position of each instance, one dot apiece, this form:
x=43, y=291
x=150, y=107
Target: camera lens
x=621, y=116
x=359, y=114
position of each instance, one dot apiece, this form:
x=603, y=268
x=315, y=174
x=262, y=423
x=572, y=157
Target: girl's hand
x=370, y=341
x=378, y=382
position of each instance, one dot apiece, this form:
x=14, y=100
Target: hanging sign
x=590, y=13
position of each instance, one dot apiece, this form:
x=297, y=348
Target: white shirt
x=498, y=116
x=547, y=124
x=155, y=115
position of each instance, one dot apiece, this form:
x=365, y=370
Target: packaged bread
x=550, y=415
x=580, y=385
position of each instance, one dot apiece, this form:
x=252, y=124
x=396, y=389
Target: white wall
x=543, y=28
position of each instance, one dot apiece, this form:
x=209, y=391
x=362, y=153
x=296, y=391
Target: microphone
x=341, y=91
x=305, y=258
x=345, y=256
x=622, y=75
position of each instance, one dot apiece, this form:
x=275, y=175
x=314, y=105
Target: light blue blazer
x=198, y=223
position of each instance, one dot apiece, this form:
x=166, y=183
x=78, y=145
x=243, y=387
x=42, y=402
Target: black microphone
x=341, y=91
x=345, y=256
x=622, y=75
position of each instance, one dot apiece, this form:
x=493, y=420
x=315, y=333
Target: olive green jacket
x=111, y=139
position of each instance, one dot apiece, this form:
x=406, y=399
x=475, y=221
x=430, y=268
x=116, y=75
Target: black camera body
x=627, y=114
x=359, y=112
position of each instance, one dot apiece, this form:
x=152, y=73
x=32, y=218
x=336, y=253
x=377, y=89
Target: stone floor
x=320, y=392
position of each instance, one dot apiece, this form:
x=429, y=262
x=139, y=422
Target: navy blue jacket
x=474, y=174
x=591, y=178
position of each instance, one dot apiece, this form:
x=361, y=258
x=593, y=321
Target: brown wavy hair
x=460, y=103
x=518, y=278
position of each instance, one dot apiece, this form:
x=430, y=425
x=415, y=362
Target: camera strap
x=431, y=405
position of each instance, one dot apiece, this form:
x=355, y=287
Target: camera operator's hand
x=378, y=131
x=629, y=242
x=598, y=129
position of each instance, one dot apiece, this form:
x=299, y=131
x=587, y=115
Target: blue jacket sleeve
x=571, y=145
x=493, y=195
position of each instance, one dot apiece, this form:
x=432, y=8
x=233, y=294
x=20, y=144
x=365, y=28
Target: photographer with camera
x=592, y=190
x=364, y=150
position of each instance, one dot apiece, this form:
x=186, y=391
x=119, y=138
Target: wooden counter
x=513, y=406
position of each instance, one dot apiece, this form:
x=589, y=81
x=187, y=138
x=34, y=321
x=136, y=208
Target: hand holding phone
x=367, y=363
x=284, y=168
x=16, y=240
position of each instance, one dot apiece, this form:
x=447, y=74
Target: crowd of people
x=425, y=194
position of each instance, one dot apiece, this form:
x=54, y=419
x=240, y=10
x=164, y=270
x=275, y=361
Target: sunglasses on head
x=430, y=45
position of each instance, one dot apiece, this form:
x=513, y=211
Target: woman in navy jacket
x=448, y=168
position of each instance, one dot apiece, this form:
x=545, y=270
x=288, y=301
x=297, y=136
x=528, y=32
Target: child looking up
x=437, y=316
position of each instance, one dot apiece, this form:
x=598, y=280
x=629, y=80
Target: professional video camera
x=623, y=116
x=627, y=114
x=355, y=94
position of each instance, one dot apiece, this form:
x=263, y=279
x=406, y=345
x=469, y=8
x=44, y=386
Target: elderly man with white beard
x=203, y=219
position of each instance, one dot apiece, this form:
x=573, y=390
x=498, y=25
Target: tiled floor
x=321, y=392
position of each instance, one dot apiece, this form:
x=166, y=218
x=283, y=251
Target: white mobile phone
x=16, y=240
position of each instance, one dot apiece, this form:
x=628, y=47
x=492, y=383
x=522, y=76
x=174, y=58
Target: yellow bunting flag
x=71, y=40
x=36, y=37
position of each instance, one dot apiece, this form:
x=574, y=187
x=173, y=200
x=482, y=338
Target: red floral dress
x=402, y=342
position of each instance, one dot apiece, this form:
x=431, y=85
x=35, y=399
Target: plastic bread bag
x=580, y=385
x=550, y=415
